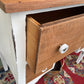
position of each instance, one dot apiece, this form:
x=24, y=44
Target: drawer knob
x=44, y=70
x=63, y=48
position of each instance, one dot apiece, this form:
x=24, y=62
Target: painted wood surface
x=18, y=21
x=11, y=6
x=6, y=42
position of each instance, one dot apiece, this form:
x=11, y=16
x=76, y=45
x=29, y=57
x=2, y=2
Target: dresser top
x=10, y=6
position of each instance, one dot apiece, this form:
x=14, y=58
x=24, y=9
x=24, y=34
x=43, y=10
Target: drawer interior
x=56, y=15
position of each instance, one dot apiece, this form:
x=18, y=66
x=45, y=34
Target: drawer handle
x=63, y=48
x=44, y=70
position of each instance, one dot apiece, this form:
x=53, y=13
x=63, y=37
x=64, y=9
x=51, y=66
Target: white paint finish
x=6, y=42
x=36, y=79
x=5, y=66
x=80, y=57
x=18, y=24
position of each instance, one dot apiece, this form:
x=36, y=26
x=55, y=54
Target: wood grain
x=54, y=34
x=10, y=6
x=32, y=42
x=69, y=31
x=30, y=75
x=55, y=28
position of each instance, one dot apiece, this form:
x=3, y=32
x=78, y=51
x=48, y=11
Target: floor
x=6, y=77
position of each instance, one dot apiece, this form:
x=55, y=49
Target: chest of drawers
x=29, y=32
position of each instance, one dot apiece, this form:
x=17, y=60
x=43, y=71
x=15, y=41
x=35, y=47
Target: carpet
x=70, y=72
x=6, y=77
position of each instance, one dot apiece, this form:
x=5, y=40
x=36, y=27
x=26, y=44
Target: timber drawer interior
x=47, y=31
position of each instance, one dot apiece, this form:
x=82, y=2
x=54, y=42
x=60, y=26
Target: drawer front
x=54, y=34
x=46, y=32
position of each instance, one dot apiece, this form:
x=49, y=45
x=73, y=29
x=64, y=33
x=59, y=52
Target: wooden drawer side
x=33, y=34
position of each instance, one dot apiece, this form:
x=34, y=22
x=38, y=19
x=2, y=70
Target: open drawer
x=47, y=31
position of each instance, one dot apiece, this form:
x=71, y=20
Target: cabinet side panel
x=6, y=42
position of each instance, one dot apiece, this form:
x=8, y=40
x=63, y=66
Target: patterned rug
x=70, y=73
x=6, y=77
